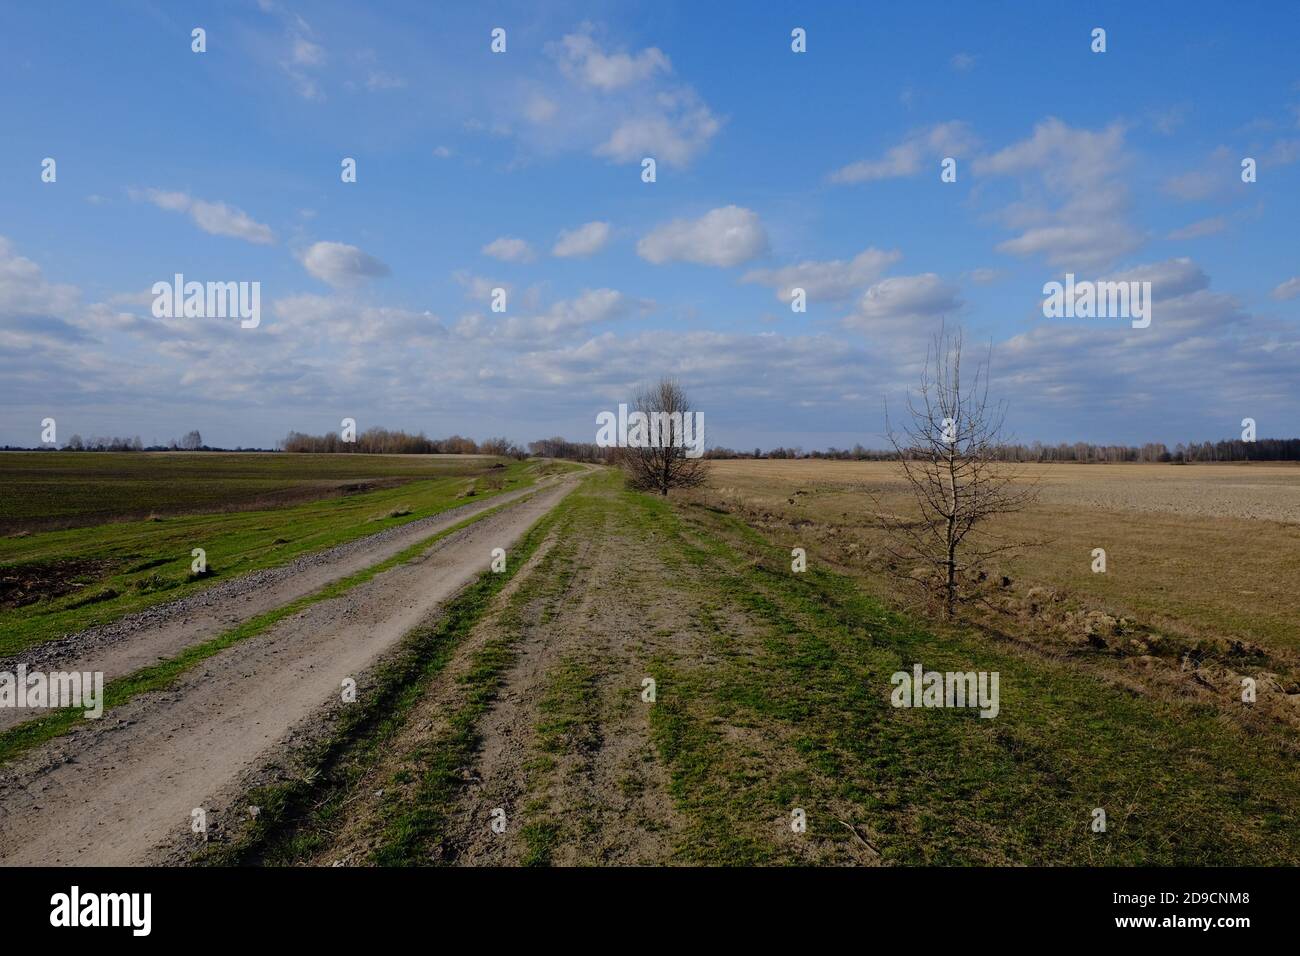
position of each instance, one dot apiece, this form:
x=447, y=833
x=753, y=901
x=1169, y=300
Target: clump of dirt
x=24, y=584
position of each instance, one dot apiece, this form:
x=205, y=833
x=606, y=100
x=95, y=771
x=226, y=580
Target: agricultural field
x=246, y=511
x=1199, y=551
x=41, y=490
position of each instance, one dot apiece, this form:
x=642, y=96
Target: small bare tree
x=949, y=459
x=668, y=454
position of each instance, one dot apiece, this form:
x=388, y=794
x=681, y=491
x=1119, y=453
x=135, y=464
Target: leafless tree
x=669, y=458
x=948, y=450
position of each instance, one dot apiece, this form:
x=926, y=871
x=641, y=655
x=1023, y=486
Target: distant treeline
x=381, y=441
x=574, y=451
x=192, y=441
x=1264, y=449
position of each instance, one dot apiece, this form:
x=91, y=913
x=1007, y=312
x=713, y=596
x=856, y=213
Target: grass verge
x=18, y=740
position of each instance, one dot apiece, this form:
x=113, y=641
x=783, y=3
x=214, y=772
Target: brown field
x=1194, y=551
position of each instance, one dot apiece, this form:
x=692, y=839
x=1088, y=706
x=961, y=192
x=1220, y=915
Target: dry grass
x=1200, y=551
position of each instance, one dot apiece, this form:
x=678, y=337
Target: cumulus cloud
x=1074, y=212
x=582, y=60
x=904, y=305
x=509, y=250
x=216, y=218
x=590, y=307
x=341, y=265
x=676, y=128
x=586, y=240
x=723, y=237
x=1202, y=354
x=828, y=281
x=1170, y=279
x=628, y=102
x=910, y=156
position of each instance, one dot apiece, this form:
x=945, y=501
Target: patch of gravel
x=225, y=593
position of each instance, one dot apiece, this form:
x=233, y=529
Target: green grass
x=568, y=724
x=67, y=489
x=778, y=697
x=123, y=567
x=297, y=817
x=19, y=739
x=1181, y=783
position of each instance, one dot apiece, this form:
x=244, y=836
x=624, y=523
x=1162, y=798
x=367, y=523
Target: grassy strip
x=22, y=738
x=569, y=723
x=297, y=817
x=124, y=567
x=1180, y=785
x=415, y=826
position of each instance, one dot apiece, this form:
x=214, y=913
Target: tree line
x=382, y=441
x=1263, y=449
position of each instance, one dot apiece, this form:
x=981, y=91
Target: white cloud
x=675, y=128
x=1201, y=353
x=826, y=281
x=509, y=250
x=909, y=157
x=1170, y=279
x=341, y=265
x=962, y=62
x=24, y=291
x=586, y=240
x=722, y=237
x=216, y=218
x=589, y=308
x=904, y=305
x=1076, y=157
x=1074, y=213
x=1287, y=290
x=582, y=60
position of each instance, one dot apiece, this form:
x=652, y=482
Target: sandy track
x=156, y=634
x=117, y=790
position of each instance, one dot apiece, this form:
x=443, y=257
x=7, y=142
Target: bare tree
x=669, y=452
x=192, y=441
x=949, y=452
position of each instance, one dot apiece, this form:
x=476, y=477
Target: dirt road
x=139, y=640
x=117, y=789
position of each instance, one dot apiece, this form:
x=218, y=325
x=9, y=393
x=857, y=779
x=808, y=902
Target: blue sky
x=774, y=169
